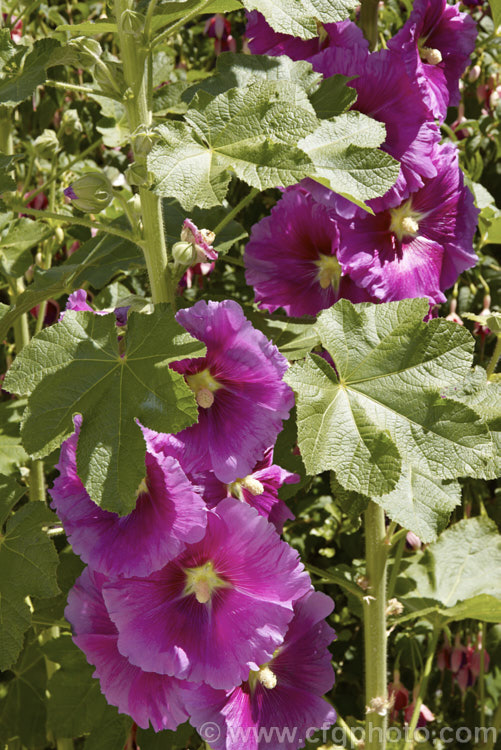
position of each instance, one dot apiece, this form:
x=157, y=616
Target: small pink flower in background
x=413, y=540
x=16, y=31
x=478, y=328
x=399, y=695
x=453, y=316
x=463, y=661
x=219, y=28
x=425, y=715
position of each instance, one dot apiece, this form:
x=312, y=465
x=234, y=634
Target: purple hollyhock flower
x=239, y=390
x=436, y=43
x=418, y=247
x=292, y=258
x=201, y=239
x=219, y=609
x=168, y=515
x=283, y=694
x=145, y=696
x=78, y=301
x=263, y=40
x=386, y=93
x=258, y=489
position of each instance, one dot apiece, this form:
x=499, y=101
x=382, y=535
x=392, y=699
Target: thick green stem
x=494, y=359
x=135, y=64
x=368, y=21
x=376, y=551
x=234, y=211
x=423, y=686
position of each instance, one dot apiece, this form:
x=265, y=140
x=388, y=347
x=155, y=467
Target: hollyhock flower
x=219, y=28
x=386, y=93
x=239, y=389
x=168, y=515
x=78, y=301
x=292, y=260
x=195, y=274
x=201, y=239
x=398, y=695
x=285, y=692
x=263, y=40
x=425, y=715
x=258, y=489
x=436, y=43
x=413, y=541
x=416, y=248
x=220, y=608
x=145, y=696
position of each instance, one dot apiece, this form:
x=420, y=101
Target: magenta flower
x=239, y=389
x=168, y=515
x=145, y=696
x=386, y=93
x=258, y=489
x=418, y=247
x=285, y=692
x=436, y=43
x=292, y=258
x=78, y=301
x=220, y=608
x=201, y=239
x=263, y=40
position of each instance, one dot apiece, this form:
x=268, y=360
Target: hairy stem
x=423, y=686
x=374, y=607
x=136, y=72
x=494, y=359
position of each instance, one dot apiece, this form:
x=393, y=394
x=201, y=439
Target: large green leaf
x=28, y=564
x=239, y=70
x=382, y=409
x=346, y=158
x=462, y=570
x=94, y=263
x=12, y=453
x=250, y=131
x=16, y=241
x=22, y=702
x=26, y=73
x=333, y=97
x=300, y=17
x=85, y=372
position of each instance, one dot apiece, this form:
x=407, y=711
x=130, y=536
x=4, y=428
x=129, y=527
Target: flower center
x=249, y=483
x=203, y=386
x=404, y=221
x=429, y=55
x=202, y=582
x=265, y=676
x=143, y=487
x=329, y=271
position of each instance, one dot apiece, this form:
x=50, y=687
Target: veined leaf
x=84, y=372
x=299, y=17
x=381, y=409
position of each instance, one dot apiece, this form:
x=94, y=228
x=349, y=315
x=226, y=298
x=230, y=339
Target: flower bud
x=143, y=141
x=88, y=50
x=47, y=145
x=474, y=73
x=71, y=122
x=184, y=253
x=136, y=174
x=201, y=239
x=132, y=23
x=91, y=193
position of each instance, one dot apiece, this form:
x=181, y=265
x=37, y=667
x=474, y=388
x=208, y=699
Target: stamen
x=143, y=487
x=203, y=386
x=330, y=271
x=202, y=582
x=404, y=221
x=430, y=55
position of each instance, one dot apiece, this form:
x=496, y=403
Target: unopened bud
x=71, y=122
x=136, y=174
x=184, y=253
x=91, y=193
x=59, y=234
x=88, y=50
x=474, y=73
x=132, y=23
x=47, y=145
x=143, y=141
